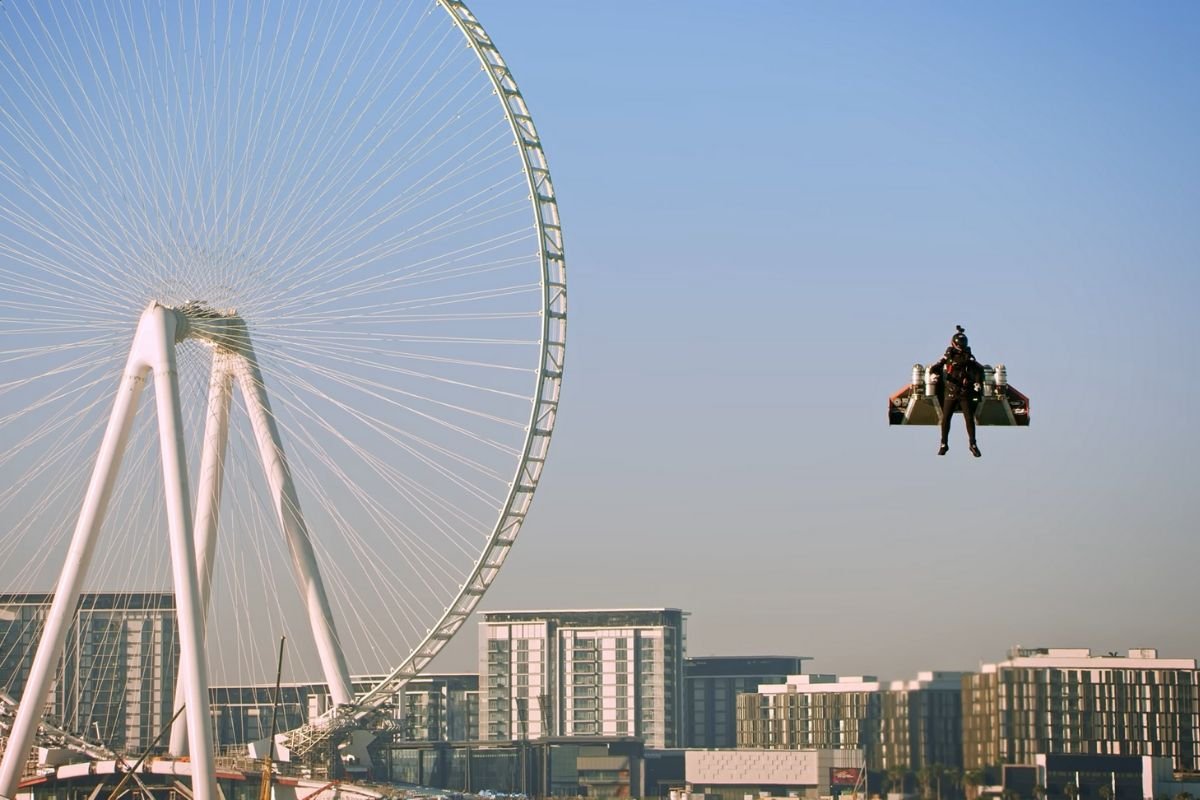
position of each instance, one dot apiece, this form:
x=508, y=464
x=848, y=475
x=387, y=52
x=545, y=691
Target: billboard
x=845, y=776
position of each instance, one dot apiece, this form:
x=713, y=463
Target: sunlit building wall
x=902, y=724
x=815, y=712
x=922, y=722
x=583, y=673
x=1069, y=701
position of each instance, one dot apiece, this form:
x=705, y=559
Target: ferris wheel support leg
x=208, y=503
x=166, y=327
x=70, y=581
x=291, y=520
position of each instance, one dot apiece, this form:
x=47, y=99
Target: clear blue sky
x=772, y=210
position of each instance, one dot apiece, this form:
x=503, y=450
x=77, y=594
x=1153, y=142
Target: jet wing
x=919, y=403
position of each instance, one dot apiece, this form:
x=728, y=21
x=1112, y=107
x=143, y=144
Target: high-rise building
x=116, y=678
x=1069, y=701
x=583, y=673
x=711, y=687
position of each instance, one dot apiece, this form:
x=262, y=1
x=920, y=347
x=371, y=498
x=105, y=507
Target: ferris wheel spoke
x=376, y=391
x=414, y=447
x=437, y=226
x=86, y=155
x=413, y=274
x=347, y=221
x=397, y=478
x=320, y=135
x=426, y=503
x=41, y=197
x=316, y=488
x=371, y=360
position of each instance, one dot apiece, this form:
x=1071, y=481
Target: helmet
x=959, y=340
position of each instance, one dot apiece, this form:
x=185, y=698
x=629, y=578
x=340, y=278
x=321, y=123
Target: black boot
x=943, y=449
x=975, y=450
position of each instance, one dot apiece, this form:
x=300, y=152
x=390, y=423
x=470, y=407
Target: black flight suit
x=961, y=379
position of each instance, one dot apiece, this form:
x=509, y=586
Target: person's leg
x=949, y=402
x=968, y=412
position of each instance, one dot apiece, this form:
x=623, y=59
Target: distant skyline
x=772, y=210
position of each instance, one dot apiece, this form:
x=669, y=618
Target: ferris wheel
x=282, y=325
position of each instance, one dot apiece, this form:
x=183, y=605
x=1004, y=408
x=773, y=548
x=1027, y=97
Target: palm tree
x=925, y=777
x=972, y=779
x=1071, y=791
x=1106, y=792
x=937, y=772
x=954, y=776
x=1184, y=796
x=1039, y=792
x=896, y=776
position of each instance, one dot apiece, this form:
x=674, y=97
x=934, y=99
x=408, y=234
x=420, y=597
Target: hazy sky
x=772, y=211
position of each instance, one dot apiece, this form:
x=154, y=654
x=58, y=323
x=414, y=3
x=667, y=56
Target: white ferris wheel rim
x=549, y=381
x=550, y=352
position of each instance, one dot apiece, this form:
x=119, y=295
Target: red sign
x=844, y=776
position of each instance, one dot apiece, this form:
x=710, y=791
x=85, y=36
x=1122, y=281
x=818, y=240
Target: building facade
x=429, y=708
x=1069, y=701
x=116, y=678
x=711, y=687
x=244, y=714
x=815, y=712
x=440, y=708
x=575, y=766
x=737, y=774
x=583, y=673
x=904, y=725
x=922, y=722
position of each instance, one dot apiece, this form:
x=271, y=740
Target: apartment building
x=711, y=687
x=583, y=673
x=1072, y=701
x=116, y=676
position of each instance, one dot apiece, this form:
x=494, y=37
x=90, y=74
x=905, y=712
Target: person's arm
x=936, y=367
x=977, y=375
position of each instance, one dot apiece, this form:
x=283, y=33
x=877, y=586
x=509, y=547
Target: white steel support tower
x=192, y=541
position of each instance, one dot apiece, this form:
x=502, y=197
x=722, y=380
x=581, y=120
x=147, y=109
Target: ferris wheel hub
x=195, y=319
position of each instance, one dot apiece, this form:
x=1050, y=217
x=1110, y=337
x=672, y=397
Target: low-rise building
x=1071, y=701
x=711, y=687
x=737, y=774
x=903, y=725
x=429, y=708
x=815, y=712
x=570, y=766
